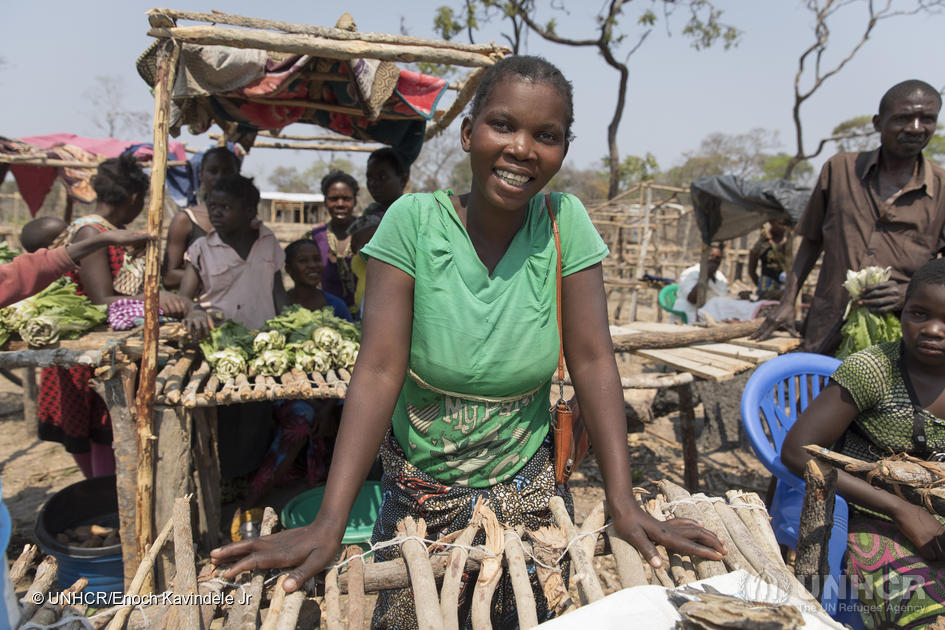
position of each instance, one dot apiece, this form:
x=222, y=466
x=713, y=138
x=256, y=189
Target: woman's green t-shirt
x=475, y=406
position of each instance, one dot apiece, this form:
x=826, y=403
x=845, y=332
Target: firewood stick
x=680, y=567
x=259, y=387
x=521, y=586
x=549, y=543
x=751, y=509
x=161, y=378
x=589, y=588
x=452, y=579
x=175, y=380
x=186, y=616
x=816, y=521
x=271, y=387
x=243, y=616
x=290, y=389
x=210, y=590
x=275, y=605
x=301, y=380
x=734, y=559
x=335, y=384
x=144, y=570
x=291, y=607
x=224, y=395
x=490, y=571
x=661, y=576
x=630, y=568
x=50, y=611
x=594, y=520
x=23, y=563
x=705, y=568
x=189, y=397
x=421, y=574
x=243, y=389
x=344, y=375
x=332, y=601
x=43, y=580
x=319, y=381
x=357, y=603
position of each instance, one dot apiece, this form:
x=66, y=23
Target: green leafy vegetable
x=7, y=253
x=863, y=328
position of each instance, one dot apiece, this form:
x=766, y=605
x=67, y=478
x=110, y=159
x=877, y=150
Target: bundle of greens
x=7, y=253
x=56, y=312
x=312, y=341
x=228, y=349
x=863, y=328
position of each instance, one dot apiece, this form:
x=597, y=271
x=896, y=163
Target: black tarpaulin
x=727, y=207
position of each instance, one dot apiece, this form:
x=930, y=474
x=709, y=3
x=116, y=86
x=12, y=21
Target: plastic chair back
x=667, y=299
x=775, y=395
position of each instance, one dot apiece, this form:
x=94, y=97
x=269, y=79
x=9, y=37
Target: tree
x=290, y=179
x=434, y=168
x=855, y=134
x=812, y=65
x=633, y=170
x=588, y=185
x=703, y=28
x=109, y=115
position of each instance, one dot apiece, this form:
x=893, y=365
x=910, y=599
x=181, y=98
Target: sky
x=53, y=50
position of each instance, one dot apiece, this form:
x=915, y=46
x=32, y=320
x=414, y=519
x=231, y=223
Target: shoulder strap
x=557, y=235
x=918, y=418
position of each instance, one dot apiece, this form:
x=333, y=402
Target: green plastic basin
x=301, y=511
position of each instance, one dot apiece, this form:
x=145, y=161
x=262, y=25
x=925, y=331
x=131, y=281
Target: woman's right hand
x=309, y=549
x=923, y=529
x=198, y=323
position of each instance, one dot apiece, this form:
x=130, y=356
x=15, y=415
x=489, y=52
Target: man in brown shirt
x=884, y=207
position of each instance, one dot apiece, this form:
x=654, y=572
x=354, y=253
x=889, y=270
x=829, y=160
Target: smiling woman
x=460, y=339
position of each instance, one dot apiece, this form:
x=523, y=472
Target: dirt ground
x=32, y=471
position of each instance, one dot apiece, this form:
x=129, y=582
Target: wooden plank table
x=711, y=361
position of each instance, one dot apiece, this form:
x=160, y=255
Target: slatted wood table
x=710, y=361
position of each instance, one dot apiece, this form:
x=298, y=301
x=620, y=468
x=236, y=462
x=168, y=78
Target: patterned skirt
x=69, y=410
x=408, y=491
x=896, y=585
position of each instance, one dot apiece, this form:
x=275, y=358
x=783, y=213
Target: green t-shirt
x=490, y=339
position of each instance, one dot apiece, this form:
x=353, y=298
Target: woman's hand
x=172, y=304
x=309, y=549
x=679, y=534
x=923, y=529
x=198, y=323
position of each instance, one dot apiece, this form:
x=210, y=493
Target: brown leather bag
x=570, y=434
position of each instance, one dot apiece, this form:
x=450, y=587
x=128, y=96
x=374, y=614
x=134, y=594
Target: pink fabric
x=240, y=289
x=30, y=273
x=99, y=461
x=105, y=147
x=420, y=92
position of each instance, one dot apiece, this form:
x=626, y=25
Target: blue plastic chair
x=775, y=395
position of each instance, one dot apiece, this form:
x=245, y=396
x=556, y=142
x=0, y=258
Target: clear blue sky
x=52, y=52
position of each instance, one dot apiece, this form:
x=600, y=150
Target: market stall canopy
x=727, y=207
x=36, y=162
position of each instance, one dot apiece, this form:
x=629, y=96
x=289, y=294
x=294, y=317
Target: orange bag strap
x=557, y=235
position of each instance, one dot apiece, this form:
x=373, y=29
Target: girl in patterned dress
x=887, y=399
x=69, y=411
x=460, y=339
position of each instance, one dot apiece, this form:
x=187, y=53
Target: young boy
x=239, y=265
x=236, y=264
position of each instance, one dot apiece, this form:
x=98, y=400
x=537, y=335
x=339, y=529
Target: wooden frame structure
x=267, y=35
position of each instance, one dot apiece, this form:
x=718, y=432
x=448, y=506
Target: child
x=387, y=176
x=236, y=263
x=239, y=267
x=889, y=398
x=41, y=233
x=304, y=263
x=193, y=222
x=461, y=298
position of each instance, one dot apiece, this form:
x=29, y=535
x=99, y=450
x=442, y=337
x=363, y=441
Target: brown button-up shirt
x=857, y=228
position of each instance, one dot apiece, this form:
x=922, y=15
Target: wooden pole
x=464, y=96
x=649, y=340
x=589, y=588
x=163, y=17
x=319, y=46
x=816, y=525
x=687, y=427
x=144, y=511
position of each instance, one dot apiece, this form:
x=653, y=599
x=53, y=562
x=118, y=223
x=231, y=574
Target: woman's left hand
x=679, y=534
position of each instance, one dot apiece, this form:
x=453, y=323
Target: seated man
x=717, y=285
